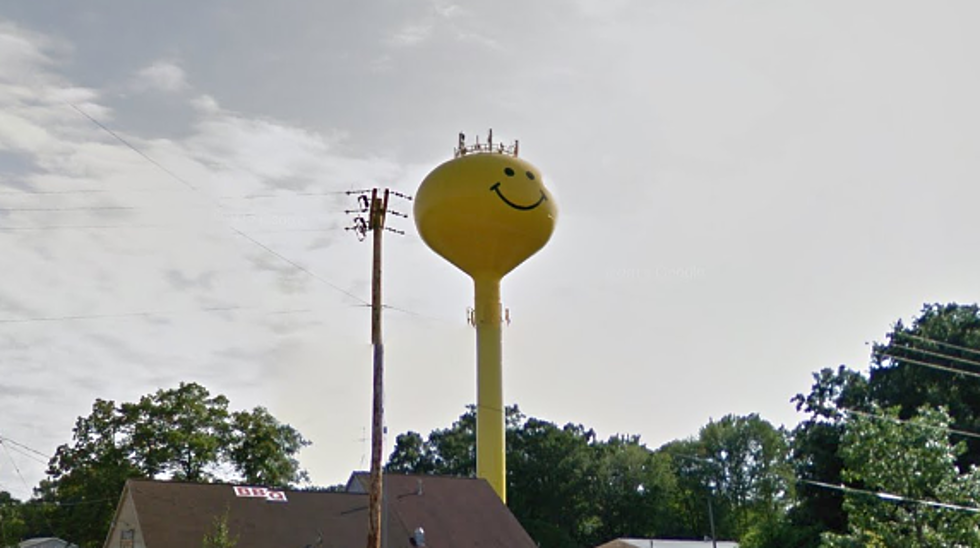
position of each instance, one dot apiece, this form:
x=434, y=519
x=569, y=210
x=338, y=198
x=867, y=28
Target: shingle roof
x=454, y=512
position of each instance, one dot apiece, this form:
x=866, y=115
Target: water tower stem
x=491, y=458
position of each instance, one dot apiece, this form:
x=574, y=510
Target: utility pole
x=377, y=210
x=377, y=223
x=711, y=520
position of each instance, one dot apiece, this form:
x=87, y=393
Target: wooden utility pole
x=376, y=223
x=377, y=211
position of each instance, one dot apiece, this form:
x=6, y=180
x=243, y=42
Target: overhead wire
x=80, y=208
x=14, y=464
x=940, y=343
x=932, y=365
x=913, y=423
x=131, y=147
x=25, y=447
x=242, y=234
x=148, y=313
x=20, y=474
x=79, y=227
x=891, y=497
x=27, y=455
x=937, y=355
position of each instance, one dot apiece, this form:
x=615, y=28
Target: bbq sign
x=260, y=493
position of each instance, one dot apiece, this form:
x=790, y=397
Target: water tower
x=486, y=211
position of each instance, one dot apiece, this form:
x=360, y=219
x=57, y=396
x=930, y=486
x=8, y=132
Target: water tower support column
x=491, y=457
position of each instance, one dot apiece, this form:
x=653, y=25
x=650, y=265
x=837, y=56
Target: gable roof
x=456, y=512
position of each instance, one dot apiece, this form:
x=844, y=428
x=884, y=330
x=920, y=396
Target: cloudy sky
x=749, y=191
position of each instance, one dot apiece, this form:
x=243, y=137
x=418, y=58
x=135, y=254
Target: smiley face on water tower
x=486, y=213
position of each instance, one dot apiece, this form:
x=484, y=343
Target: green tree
x=815, y=444
x=570, y=489
x=916, y=367
x=551, y=471
x=634, y=489
x=552, y=483
x=411, y=455
x=179, y=433
x=741, y=464
x=182, y=433
x=912, y=467
x=264, y=450
x=220, y=534
x=12, y=526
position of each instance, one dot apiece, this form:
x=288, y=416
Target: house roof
x=456, y=512
x=664, y=543
x=46, y=542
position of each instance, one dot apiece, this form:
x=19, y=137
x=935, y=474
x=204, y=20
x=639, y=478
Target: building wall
x=125, y=531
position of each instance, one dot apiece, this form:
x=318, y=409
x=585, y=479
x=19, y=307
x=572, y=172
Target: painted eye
x=509, y=171
x=530, y=175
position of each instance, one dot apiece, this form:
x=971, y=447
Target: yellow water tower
x=486, y=211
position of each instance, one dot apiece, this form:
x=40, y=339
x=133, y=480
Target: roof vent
x=418, y=537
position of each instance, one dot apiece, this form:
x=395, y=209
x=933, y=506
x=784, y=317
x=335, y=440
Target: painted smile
x=496, y=188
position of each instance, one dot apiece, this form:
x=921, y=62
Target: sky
x=748, y=192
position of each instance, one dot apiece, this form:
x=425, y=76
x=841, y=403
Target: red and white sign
x=260, y=493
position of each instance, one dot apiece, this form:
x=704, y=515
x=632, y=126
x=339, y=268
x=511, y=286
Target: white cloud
x=171, y=229
x=413, y=34
x=162, y=75
x=21, y=51
x=205, y=104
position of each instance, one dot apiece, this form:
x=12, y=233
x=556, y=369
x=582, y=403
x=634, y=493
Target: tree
x=176, y=433
x=264, y=450
x=815, y=443
x=552, y=483
x=12, y=525
x=741, y=465
x=906, y=472
x=917, y=364
x=634, y=489
x=570, y=489
x=220, y=534
x=182, y=433
x=915, y=367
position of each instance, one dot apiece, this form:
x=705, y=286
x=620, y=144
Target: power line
x=298, y=266
x=80, y=208
x=932, y=365
x=150, y=313
x=940, y=343
x=289, y=195
x=24, y=481
x=21, y=445
x=133, y=148
x=80, y=227
x=939, y=355
x=28, y=455
x=417, y=314
x=195, y=189
x=14, y=463
x=912, y=423
x=47, y=192
x=891, y=497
